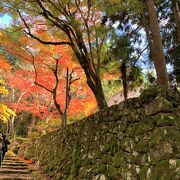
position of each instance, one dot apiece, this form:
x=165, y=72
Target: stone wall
x=137, y=139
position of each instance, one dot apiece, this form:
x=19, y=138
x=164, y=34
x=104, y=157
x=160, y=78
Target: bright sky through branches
x=5, y=20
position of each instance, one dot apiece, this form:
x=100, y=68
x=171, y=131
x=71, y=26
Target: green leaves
x=113, y=7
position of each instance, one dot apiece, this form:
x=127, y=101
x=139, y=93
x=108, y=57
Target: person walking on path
x=5, y=145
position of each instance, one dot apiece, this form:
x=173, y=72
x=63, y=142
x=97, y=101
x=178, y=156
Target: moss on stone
x=98, y=153
x=109, y=145
x=106, y=159
x=82, y=172
x=102, y=168
x=163, y=170
x=74, y=170
x=142, y=146
x=165, y=133
x=141, y=127
x=121, y=159
x=118, y=160
x=106, y=148
x=167, y=119
x=122, y=125
x=66, y=169
x=86, y=162
x=128, y=144
x=148, y=95
x=70, y=177
x=74, y=167
x=113, y=173
x=113, y=147
x=143, y=174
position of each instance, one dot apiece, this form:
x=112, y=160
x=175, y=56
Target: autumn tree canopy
x=73, y=23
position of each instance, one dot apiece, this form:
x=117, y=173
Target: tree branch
x=28, y=31
x=140, y=55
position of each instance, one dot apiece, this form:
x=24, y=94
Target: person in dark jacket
x=5, y=144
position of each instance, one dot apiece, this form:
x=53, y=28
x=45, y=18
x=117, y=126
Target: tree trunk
x=176, y=12
x=96, y=87
x=11, y=127
x=145, y=24
x=32, y=123
x=93, y=79
x=57, y=106
x=97, y=90
x=159, y=58
x=67, y=99
x=7, y=125
x=124, y=79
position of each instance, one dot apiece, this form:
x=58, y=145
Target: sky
x=5, y=20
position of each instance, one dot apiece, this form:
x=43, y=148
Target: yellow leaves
x=90, y=106
x=3, y=90
x=5, y=115
x=1, y=82
x=5, y=112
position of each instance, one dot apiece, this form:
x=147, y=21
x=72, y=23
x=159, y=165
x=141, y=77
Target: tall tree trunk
x=125, y=88
x=159, y=58
x=176, y=12
x=98, y=92
x=145, y=24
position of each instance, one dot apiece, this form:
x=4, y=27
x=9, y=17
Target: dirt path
x=17, y=169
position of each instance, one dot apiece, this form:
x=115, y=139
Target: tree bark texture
x=176, y=12
x=176, y=15
x=159, y=58
x=124, y=79
x=146, y=26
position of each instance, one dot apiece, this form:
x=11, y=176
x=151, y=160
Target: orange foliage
x=83, y=102
x=4, y=65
